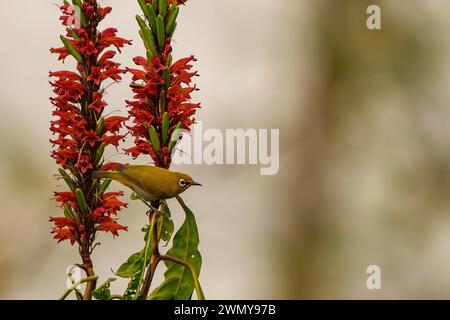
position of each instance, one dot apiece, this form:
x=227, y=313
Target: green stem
x=198, y=288
x=76, y=284
x=147, y=245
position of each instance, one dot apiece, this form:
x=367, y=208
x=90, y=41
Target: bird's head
x=184, y=182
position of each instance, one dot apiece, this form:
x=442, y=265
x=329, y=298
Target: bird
x=149, y=183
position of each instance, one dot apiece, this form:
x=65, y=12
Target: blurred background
x=364, y=172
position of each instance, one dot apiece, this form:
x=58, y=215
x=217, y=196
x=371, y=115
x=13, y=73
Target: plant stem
x=198, y=288
x=91, y=284
x=73, y=287
x=147, y=244
x=155, y=258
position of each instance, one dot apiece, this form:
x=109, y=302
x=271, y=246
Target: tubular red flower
x=79, y=128
x=157, y=91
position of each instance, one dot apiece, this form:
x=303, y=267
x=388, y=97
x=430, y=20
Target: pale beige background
x=364, y=174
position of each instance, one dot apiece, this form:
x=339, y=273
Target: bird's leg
x=150, y=206
x=152, y=209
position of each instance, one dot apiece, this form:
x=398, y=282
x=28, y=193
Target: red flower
x=78, y=107
x=91, y=138
x=111, y=226
x=84, y=164
x=114, y=124
x=148, y=88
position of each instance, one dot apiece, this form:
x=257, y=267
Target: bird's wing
x=146, y=177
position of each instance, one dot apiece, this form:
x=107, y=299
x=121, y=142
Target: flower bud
x=162, y=7
x=160, y=31
x=175, y=136
x=151, y=18
x=165, y=127
x=154, y=139
x=171, y=20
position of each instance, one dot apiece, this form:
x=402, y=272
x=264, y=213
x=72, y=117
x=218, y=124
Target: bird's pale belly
x=144, y=195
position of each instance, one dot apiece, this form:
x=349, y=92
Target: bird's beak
x=195, y=184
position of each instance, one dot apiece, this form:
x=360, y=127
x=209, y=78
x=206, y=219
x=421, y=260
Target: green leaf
x=72, y=49
x=178, y=283
x=104, y=186
x=133, y=265
x=74, y=34
x=100, y=126
x=173, y=30
x=166, y=226
x=70, y=183
x=81, y=200
x=68, y=213
x=103, y=292
x=132, y=287
x=160, y=31
x=134, y=269
x=99, y=153
x=143, y=6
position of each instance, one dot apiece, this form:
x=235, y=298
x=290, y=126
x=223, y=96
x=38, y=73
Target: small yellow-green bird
x=150, y=183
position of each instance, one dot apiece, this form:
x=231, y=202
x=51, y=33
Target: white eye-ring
x=182, y=183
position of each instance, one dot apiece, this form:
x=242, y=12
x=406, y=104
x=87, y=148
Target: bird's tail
x=105, y=174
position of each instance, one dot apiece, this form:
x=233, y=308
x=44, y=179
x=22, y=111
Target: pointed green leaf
x=68, y=213
x=166, y=226
x=99, y=154
x=132, y=287
x=74, y=34
x=143, y=6
x=131, y=266
x=103, y=292
x=100, y=126
x=70, y=183
x=173, y=30
x=81, y=200
x=104, y=186
x=178, y=283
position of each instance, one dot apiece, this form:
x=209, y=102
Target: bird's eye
x=182, y=183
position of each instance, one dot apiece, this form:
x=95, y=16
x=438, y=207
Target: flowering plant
x=159, y=109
